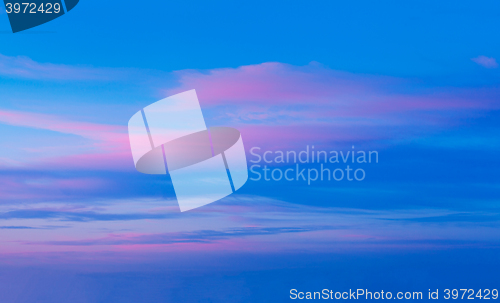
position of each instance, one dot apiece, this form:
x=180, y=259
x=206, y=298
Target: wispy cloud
x=321, y=103
x=243, y=223
x=77, y=216
x=315, y=86
x=199, y=236
x=24, y=67
x=33, y=227
x=34, y=186
x=94, y=131
x=486, y=61
x=107, y=148
x=17, y=227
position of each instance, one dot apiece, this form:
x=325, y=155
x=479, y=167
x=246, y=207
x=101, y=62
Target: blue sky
x=424, y=39
x=417, y=82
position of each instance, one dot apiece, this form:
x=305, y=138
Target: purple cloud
x=486, y=61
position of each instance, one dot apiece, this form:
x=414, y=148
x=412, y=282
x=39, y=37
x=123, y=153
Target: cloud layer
x=88, y=196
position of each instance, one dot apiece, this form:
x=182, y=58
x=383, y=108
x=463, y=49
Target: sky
x=415, y=82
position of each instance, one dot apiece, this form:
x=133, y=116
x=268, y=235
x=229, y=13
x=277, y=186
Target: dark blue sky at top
x=431, y=40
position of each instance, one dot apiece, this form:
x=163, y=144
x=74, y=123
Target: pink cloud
x=284, y=94
x=486, y=61
x=110, y=145
x=276, y=104
x=267, y=82
x=100, y=132
x=277, y=84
